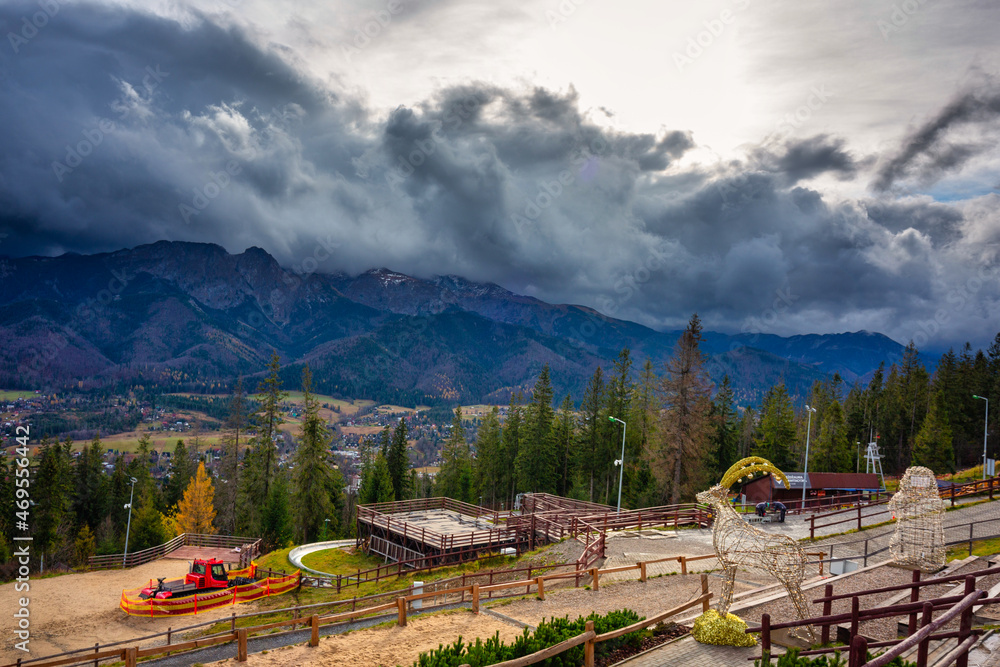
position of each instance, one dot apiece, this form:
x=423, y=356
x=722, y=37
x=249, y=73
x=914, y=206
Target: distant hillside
x=185, y=316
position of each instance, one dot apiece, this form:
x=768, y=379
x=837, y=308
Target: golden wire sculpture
x=918, y=540
x=738, y=544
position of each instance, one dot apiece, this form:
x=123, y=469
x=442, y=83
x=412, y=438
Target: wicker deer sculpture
x=738, y=544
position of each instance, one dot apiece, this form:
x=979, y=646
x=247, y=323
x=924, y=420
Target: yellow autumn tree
x=196, y=509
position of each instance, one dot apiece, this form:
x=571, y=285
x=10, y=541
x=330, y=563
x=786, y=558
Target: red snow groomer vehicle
x=205, y=576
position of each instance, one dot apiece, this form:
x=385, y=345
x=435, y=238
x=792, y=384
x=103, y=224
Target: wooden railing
x=183, y=540
x=590, y=639
x=988, y=486
x=381, y=515
x=954, y=604
x=400, y=602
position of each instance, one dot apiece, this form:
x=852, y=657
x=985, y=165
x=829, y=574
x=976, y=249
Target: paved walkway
x=689, y=653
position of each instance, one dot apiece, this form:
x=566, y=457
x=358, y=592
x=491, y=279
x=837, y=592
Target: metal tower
x=873, y=461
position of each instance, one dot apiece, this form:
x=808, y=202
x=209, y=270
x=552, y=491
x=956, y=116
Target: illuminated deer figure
x=738, y=544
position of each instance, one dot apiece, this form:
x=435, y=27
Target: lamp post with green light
x=620, y=462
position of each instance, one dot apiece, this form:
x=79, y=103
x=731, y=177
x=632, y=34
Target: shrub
x=793, y=659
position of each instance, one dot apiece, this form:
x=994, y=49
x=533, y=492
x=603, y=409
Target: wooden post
x=971, y=526
x=595, y=577
x=684, y=564
x=97, y=646
x=925, y=619
x=588, y=648
x=541, y=588
x=953, y=494
x=704, y=592
x=859, y=651
x=855, y=619
x=475, y=598
x=401, y=607
x=827, y=610
x=131, y=656
x=241, y=645
x=991, y=488
x=859, y=516
x=765, y=638
x=812, y=526
x=314, y=622
x=965, y=625
x=232, y=625
x=911, y=627
x=642, y=571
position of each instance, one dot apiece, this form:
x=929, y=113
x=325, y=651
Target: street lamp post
x=986, y=426
x=805, y=468
x=326, y=522
x=128, y=527
x=620, y=462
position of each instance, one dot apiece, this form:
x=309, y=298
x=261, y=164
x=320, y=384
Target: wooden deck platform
x=192, y=552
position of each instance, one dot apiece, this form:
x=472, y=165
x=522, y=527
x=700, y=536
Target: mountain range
x=191, y=316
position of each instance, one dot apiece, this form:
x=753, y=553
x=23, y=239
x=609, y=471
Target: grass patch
x=340, y=561
x=979, y=548
x=11, y=395
x=278, y=560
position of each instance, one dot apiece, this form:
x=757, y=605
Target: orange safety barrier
x=133, y=605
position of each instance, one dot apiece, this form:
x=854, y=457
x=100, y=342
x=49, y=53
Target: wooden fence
x=988, y=486
x=247, y=554
x=590, y=639
x=399, y=602
x=962, y=605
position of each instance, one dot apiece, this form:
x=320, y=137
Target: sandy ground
x=387, y=646
x=391, y=646
x=76, y=610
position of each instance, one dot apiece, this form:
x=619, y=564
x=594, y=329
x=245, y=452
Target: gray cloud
x=514, y=186
x=929, y=151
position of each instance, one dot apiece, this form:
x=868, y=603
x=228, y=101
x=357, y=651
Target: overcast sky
x=786, y=167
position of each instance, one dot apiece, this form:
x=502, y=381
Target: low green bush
x=548, y=633
x=793, y=659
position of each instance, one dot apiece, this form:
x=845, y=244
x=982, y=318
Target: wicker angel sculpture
x=919, y=537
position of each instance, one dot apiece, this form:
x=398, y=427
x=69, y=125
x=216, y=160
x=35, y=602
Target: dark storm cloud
x=929, y=151
x=196, y=131
x=803, y=159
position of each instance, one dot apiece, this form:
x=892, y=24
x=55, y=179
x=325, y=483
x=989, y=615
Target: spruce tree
x=686, y=423
x=590, y=447
x=268, y=418
x=232, y=439
x=53, y=488
x=933, y=445
x=776, y=429
x=398, y=459
x=376, y=483
x=833, y=451
x=510, y=445
x=181, y=472
x=562, y=438
x=90, y=498
x=312, y=469
x=455, y=477
x=536, y=461
x=489, y=461
x=725, y=437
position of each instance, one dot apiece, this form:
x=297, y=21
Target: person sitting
x=780, y=506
